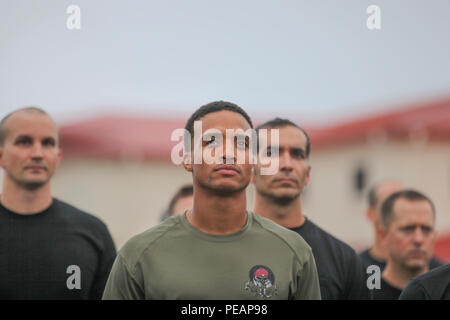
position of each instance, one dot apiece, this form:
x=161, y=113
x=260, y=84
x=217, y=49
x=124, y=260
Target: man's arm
x=121, y=284
x=107, y=256
x=308, y=287
x=356, y=280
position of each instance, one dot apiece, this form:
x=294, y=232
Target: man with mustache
x=408, y=233
x=48, y=249
x=217, y=249
x=278, y=197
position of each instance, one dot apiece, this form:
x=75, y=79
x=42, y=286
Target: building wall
x=334, y=203
x=129, y=196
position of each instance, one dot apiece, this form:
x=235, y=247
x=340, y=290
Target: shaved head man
x=43, y=241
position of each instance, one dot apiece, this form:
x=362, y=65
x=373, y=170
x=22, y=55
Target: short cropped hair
x=387, y=208
x=372, y=197
x=4, y=130
x=184, y=191
x=280, y=123
x=211, y=107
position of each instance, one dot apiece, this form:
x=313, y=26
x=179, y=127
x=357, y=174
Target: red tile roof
x=149, y=138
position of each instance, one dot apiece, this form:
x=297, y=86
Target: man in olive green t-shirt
x=216, y=250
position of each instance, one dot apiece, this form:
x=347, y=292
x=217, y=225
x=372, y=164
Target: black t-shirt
x=59, y=253
x=367, y=260
x=386, y=291
x=433, y=285
x=341, y=275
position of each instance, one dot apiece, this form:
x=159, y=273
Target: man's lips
x=284, y=180
x=227, y=169
x=35, y=167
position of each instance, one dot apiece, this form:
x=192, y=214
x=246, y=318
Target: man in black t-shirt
x=341, y=274
x=376, y=254
x=48, y=249
x=433, y=285
x=407, y=219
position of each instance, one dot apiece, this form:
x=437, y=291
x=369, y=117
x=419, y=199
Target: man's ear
x=187, y=161
x=60, y=155
x=1, y=156
x=382, y=232
x=253, y=174
x=370, y=214
x=308, y=175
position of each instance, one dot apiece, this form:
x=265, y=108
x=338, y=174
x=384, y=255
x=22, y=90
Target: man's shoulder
x=133, y=249
x=76, y=215
x=326, y=236
x=289, y=237
x=436, y=275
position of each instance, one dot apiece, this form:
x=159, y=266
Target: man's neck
x=377, y=252
x=23, y=201
x=398, y=276
x=287, y=215
x=217, y=214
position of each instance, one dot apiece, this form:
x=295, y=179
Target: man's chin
x=416, y=265
x=33, y=184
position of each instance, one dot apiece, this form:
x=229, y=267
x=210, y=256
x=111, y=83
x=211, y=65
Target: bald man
x=48, y=249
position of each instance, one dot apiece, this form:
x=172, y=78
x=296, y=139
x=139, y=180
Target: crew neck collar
x=217, y=237
x=28, y=215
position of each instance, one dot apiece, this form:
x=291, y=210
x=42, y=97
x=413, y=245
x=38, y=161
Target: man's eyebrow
x=210, y=134
x=22, y=136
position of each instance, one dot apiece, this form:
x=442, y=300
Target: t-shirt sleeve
x=308, y=287
x=121, y=284
x=414, y=291
x=107, y=256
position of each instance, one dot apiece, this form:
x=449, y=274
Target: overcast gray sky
x=314, y=60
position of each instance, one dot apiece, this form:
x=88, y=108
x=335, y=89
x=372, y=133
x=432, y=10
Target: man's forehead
x=26, y=123
x=225, y=119
x=418, y=210
x=288, y=137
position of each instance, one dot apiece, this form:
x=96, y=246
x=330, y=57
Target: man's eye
x=48, y=142
x=242, y=143
x=298, y=154
x=23, y=141
x=211, y=142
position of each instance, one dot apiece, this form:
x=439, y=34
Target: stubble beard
x=27, y=184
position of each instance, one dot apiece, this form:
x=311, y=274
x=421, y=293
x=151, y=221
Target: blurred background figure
x=377, y=253
x=408, y=233
x=180, y=202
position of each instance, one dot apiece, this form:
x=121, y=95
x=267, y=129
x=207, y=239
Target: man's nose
x=37, y=151
x=418, y=236
x=229, y=151
x=285, y=162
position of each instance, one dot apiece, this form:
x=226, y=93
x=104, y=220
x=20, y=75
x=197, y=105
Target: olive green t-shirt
x=174, y=260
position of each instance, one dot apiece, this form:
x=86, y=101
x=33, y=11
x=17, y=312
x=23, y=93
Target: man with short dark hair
x=376, y=254
x=278, y=197
x=216, y=250
x=408, y=219
x=180, y=202
x=48, y=249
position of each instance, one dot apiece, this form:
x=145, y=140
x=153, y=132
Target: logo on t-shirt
x=262, y=282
